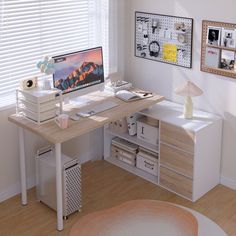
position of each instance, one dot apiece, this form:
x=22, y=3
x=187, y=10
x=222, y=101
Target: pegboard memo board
x=164, y=38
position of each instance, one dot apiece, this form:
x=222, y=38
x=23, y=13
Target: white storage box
x=124, y=151
x=38, y=95
x=39, y=106
x=147, y=132
x=46, y=106
x=123, y=155
x=40, y=117
x=124, y=144
x=148, y=162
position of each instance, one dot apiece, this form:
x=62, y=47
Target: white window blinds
x=31, y=29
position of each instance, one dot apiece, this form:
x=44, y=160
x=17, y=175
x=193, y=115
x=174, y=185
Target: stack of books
x=117, y=86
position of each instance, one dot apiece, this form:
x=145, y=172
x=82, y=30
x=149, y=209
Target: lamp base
x=188, y=108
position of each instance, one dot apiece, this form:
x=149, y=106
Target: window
x=31, y=29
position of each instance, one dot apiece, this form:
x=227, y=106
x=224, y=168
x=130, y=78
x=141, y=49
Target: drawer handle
x=148, y=165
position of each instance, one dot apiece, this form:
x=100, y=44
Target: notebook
x=129, y=96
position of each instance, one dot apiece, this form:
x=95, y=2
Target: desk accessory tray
x=37, y=105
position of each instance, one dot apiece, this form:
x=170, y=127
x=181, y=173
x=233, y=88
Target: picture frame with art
x=228, y=38
x=218, y=49
x=227, y=60
x=214, y=36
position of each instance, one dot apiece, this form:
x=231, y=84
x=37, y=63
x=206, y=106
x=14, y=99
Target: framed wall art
x=218, y=52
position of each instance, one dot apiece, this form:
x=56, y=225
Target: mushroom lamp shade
x=188, y=90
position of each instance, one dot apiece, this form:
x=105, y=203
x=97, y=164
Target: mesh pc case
x=46, y=181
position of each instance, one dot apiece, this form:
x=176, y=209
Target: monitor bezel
x=72, y=53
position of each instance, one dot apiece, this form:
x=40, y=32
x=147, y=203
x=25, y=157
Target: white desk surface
x=173, y=113
x=52, y=133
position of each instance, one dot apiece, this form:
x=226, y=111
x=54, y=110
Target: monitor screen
x=78, y=70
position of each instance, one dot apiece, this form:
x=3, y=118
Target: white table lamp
x=188, y=90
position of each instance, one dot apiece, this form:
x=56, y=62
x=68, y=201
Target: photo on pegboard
x=164, y=38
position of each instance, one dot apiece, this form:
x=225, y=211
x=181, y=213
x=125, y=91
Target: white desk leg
x=59, y=187
x=22, y=166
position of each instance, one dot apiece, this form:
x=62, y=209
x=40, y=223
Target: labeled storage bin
x=124, y=151
x=147, y=161
x=147, y=131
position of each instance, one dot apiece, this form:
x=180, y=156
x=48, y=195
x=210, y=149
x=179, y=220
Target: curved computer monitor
x=79, y=73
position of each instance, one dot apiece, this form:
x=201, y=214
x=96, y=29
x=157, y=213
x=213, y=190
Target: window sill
x=8, y=107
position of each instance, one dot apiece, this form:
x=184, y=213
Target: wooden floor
x=104, y=186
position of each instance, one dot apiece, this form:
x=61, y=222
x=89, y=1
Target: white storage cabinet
x=189, y=150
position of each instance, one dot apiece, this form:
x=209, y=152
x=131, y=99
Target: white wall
x=9, y=162
x=219, y=92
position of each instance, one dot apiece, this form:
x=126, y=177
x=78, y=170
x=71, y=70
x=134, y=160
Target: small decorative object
x=28, y=83
x=46, y=66
x=188, y=90
x=181, y=38
x=212, y=57
x=228, y=38
x=154, y=25
x=170, y=52
x=214, y=35
x=180, y=26
x=227, y=60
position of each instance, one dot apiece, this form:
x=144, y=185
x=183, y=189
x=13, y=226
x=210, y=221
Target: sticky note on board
x=170, y=52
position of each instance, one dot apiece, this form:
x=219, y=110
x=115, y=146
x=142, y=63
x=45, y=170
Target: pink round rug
x=138, y=218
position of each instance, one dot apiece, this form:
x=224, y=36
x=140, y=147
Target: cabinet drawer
x=177, y=160
x=177, y=136
x=176, y=182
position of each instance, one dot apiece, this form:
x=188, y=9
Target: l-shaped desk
x=52, y=133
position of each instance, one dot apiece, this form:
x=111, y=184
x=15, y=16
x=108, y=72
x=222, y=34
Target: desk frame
x=54, y=135
x=24, y=200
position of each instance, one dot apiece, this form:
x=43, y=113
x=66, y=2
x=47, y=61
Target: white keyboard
x=97, y=109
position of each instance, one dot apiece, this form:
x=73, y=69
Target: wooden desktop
x=52, y=133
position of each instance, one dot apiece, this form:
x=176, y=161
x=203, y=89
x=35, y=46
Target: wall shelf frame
x=209, y=63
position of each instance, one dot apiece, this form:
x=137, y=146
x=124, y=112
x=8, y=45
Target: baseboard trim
x=14, y=189
x=230, y=183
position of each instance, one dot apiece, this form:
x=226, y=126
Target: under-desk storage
x=177, y=160
x=177, y=136
x=176, y=182
x=189, y=150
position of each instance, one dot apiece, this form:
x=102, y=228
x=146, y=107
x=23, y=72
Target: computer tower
x=46, y=181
